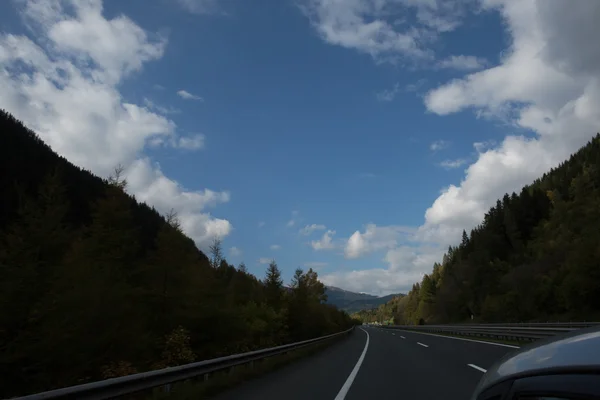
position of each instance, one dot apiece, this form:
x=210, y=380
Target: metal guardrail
x=125, y=385
x=517, y=332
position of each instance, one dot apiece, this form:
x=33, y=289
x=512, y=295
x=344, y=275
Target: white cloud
x=275, y=247
x=191, y=142
x=406, y=265
x=149, y=184
x=195, y=142
x=160, y=109
x=261, y=224
x=188, y=96
x=293, y=220
x=325, y=243
x=388, y=94
x=309, y=229
x=451, y=164
x=439, y=145
x=63, y=82
x=547, y=83
x=369, y=26
x=463, y=62
x=265, y=260
x=481, y=147
x=375, y=238
x=235, y=252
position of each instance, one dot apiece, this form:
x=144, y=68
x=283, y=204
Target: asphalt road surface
x=374, y=363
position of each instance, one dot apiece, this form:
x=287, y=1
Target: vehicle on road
x=564, y=367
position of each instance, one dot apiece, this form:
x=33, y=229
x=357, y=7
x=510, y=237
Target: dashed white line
x=393, y=334
x=344, y=390
x=402, y=337
x=424, y=345
x=477, y=368
x=467, y=340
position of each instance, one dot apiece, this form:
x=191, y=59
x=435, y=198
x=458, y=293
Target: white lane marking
x=424, y=345
x=393, y=334
x=466, y=340
x=477, y=368
x=344, y=390
x=402, y=337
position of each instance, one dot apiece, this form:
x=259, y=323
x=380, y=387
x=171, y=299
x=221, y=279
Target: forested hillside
x=352, y=302
x=535, y=256
x=383, y=313
x=94, y=284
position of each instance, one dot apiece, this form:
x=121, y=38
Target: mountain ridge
x=352, y=302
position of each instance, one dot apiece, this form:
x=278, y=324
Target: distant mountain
x=352, y=302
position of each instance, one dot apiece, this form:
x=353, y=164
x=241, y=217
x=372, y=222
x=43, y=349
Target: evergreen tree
x=274, y=286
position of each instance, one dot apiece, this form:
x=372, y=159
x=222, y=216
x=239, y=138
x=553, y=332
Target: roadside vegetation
x=94, y=284
x=534, y=258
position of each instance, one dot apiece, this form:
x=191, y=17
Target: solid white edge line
x=477, y=368
x=344, y=390
x=466, y=340
x=424, y=345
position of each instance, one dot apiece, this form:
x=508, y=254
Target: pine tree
x=242, y=268
x=274, y=286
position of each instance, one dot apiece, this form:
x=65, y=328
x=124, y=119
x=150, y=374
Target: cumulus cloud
x=265, y=260
x=275, y=247
x=548, y=82
x=62, y=80
x=149, y=184
x=188, y=96
x=235, y=252
x=309, y=229
x=325, y=243
x=375, y=238
x=462, y=62
x=375, y=27
x=405, y=266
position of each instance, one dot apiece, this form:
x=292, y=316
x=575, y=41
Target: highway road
x=380, y=364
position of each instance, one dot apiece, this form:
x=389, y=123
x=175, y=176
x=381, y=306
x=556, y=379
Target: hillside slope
x=534, y=257
x=352, y=302
x=94, y=284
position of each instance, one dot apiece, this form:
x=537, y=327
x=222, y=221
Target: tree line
x=94, y=284
x=534, y=257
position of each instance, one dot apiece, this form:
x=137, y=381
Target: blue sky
x=388, y=126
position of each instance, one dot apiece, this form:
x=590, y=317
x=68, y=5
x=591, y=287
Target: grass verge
x=220, y=381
